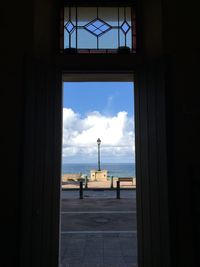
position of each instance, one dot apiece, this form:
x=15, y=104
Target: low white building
x=98, y=175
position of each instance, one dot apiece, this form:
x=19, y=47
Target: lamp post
x=99, y=142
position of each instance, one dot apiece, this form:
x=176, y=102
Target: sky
x=93, y=110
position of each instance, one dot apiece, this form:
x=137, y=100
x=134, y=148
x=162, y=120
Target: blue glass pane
x=86, y=39
x=125, y=27
x=109, y=40
x=97, y=27
x=97, y=32
x=104, y=27
x=98, y=23
x=69, y=26
x=91, y=28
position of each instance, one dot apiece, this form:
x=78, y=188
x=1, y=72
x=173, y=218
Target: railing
x=120, y=179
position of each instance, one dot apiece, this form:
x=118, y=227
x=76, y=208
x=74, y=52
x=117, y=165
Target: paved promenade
x=98, y=230
x=99, y=184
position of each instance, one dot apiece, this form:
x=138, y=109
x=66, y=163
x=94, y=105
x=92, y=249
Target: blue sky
x=106, y=97
x=94, y=110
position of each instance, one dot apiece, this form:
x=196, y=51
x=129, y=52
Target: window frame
x=120, y=49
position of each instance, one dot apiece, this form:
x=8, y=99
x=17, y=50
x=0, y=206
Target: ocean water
x=114, y=169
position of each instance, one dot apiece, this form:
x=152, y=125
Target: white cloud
x=80, y=137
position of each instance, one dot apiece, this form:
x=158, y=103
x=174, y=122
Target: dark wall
x=169, y=31
x=16, y=45
x=183, y=131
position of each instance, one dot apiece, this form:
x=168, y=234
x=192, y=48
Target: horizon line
x=96, y=163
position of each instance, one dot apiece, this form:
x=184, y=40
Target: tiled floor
x=98, y=232
x=102, y=250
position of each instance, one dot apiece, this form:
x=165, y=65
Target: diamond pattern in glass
x=69, y=26
x=125, y=27
x=97, y=27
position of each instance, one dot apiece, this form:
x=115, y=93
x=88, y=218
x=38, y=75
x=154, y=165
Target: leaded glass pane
x=96, y=28
x=109, y=14
x=110, y=40
x=83, y=37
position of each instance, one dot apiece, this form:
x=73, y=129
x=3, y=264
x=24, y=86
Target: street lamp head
x=98, y=141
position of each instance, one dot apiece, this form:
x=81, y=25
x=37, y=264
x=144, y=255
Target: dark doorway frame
x=152, y=186
x=42, y=158
x=98, y=76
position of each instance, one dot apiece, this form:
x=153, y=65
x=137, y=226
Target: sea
x=114, y=169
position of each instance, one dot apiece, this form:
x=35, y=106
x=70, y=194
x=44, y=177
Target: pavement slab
x=97, y=231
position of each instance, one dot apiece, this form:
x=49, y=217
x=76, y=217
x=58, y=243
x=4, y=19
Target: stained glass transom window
x=100, y=29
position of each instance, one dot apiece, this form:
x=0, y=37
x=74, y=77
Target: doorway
x=98, y=226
